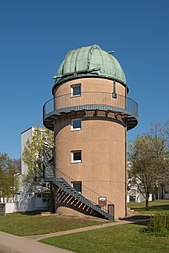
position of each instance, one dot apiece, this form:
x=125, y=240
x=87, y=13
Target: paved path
x=77, y=230
x=15, y=244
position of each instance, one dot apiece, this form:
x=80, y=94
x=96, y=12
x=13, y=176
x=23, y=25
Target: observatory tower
x=90, y=113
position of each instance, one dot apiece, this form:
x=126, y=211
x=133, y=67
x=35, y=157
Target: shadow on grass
x=153, y=208
x=32, y=213
x=138, y=219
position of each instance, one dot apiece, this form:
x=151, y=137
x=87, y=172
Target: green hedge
x=159, y=224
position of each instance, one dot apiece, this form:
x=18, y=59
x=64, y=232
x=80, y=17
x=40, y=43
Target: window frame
x=73, y=86
x=78, y=128
x=72, y=156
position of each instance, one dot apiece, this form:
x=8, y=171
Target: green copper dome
x=89, y=61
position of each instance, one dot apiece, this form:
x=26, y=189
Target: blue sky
x=35, y=36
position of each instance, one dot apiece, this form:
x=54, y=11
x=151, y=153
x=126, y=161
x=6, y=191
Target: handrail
x=104, y=99
x=86, y=190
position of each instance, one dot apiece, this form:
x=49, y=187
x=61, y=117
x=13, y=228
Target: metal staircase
x=67, y=195
x=67, y=188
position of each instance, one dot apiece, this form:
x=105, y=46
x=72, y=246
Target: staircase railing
x=86, y=191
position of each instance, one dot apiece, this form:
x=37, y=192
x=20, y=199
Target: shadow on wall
x=28, y=201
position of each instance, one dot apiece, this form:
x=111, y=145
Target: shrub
x=159, y=225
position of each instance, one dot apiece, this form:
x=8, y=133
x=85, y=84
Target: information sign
x=102, y=201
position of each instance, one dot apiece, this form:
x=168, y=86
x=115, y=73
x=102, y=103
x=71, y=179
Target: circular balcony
x=91, y=101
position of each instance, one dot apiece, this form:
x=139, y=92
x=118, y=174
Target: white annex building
x=30, y=198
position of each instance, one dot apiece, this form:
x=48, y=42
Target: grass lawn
x=117, y=239
x=154, y=207
x=23, y=224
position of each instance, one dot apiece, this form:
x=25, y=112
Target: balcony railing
x=91, y=101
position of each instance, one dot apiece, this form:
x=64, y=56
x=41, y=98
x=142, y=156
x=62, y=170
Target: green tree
x=149, y=166
x=35, y=150
x=8, y=181
x=17, y=165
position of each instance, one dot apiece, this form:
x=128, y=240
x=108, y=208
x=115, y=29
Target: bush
x=159, y=225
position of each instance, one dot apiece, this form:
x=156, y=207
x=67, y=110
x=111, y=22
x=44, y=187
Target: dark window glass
x=77, y=156
x=76, y=123
x=76, y=90
x=77, y=185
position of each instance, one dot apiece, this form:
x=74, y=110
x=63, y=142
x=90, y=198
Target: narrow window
x=77, y=185
x=76, y=90
x=76, y=124
x=76, y=156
